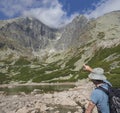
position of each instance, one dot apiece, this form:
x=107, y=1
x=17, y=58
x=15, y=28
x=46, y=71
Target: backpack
x=114, y=98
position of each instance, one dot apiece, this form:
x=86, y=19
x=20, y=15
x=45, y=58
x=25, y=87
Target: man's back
x=100, y=98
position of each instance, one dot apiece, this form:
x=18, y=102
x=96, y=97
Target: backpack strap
x=103, y=89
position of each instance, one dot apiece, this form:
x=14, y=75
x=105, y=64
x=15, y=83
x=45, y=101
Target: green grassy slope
x=109, y=60
x=24, y=70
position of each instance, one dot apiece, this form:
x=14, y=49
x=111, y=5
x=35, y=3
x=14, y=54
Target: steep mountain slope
x=26, y=35
x=95, y=42
x=71, y=33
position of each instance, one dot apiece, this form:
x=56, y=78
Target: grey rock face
x=28, y=33
x=72, y=33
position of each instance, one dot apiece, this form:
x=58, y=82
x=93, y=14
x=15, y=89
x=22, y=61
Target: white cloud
x=51, y=14
x=105, y=6
x=13, y=7
x=47, y=11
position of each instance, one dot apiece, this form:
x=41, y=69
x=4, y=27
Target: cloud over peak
x=105, y=6
x=50, y=13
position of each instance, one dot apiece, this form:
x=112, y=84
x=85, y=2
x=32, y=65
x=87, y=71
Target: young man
x=98, y=97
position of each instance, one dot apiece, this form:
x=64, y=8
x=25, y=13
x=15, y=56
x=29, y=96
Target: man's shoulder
x=97, y=92
x=107, y=82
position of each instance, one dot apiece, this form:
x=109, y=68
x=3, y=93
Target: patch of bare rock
x=73, y=100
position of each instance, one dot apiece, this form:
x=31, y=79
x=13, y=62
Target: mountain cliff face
x=71, y=33
x=64, y=51
x=26, y=33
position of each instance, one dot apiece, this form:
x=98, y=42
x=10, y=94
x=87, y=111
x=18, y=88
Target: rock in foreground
x=72, y=101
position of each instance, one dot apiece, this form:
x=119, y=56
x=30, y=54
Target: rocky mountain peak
x=27, y=33
x=72, y=32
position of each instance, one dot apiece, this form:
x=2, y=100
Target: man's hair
x=97, y=81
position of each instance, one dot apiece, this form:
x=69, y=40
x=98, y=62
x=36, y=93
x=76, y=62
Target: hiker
x=98, y=98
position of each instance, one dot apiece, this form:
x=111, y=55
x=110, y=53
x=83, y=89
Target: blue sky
x=56, y=13
x=78, y=6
